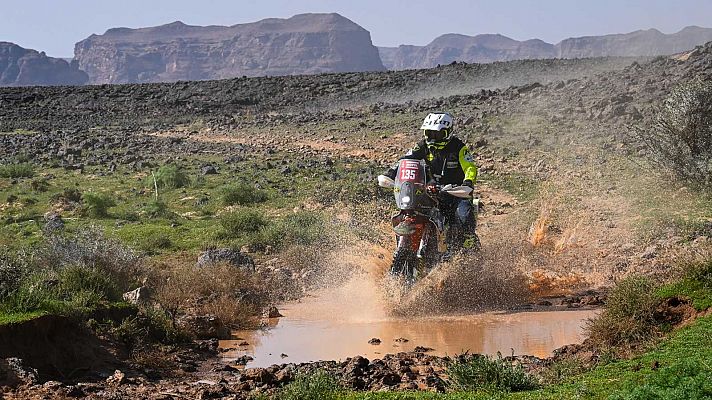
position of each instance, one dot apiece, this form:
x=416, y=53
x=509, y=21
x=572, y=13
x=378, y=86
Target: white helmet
x=437, y=128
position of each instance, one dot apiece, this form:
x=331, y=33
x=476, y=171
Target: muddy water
x=337, y=324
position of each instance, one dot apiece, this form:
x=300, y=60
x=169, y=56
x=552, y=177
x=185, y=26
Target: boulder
x=229, y=256
x=204, y=326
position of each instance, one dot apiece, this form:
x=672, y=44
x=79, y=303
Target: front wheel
x=405, y=265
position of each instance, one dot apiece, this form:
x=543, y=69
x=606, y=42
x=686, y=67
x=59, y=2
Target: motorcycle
x=419, y=225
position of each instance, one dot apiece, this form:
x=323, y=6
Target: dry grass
x=222, y=290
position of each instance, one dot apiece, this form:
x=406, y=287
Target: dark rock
x=53, y=222
x=273, y=312
x=230, y=256
x=204, y=326
x=208, y=170
x=13, y=372
x=375, y=341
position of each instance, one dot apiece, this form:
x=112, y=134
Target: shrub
x=97, y=204
x=17, y=170
x=12, y=271
x=39, y=185
x=242, y=222
x=300, y=228
x=157, y=209
x=171, y=177
x=221, y=288
x=317, y=386
x=151, y=244
x=68, y=195
x=629, y=316
x=700, y=272
x=90, y=249
x=241, y=194
x=479, y=372
x=680, y=138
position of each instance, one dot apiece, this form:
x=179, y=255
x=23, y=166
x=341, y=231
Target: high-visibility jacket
x=451, y=164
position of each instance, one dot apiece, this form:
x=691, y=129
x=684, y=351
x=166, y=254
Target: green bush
x=629, y=316
x=72, y=291
x=39, y=185
x=97, y=204
x=680, y=139
x=242, y=222
x=12, y=272
x=241, y=194
x=157, y=209
x=18, y=170
x=153, y=243
x=171, y=176
x=300, y=228
x=317, y=386
x=479, y=372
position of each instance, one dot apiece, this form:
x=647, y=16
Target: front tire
x=405, y=264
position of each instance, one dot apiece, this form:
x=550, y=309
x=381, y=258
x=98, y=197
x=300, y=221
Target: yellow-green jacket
x=452, y=164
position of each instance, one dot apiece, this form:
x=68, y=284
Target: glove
x=432, y=189
x=391, y=173
x=468, y=183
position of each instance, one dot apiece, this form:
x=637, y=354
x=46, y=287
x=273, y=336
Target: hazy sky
x=55, y=25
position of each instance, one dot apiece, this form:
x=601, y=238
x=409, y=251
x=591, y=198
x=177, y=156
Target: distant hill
x=26, y=67
x=302, y=44
x=489, y=47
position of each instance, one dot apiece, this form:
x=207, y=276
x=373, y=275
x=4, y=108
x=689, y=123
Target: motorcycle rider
x=449, y=162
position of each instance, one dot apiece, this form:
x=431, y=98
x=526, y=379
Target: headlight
x=405, y=199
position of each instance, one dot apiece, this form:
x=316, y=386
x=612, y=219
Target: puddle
x=338, y=325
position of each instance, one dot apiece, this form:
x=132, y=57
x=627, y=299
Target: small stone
x=137, y=296
x=208, y=170
x=117, y=378
x=375, y=341
x=273, y=312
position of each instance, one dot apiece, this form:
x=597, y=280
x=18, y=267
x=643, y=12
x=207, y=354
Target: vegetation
x=171, y=176
x=17, y=170
x=97, y=204
x=241, y=194
x=317, y=386
x=629, y=316
x=483, y=373
x=680, y=139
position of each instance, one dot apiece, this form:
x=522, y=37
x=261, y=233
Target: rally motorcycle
x=419, y=225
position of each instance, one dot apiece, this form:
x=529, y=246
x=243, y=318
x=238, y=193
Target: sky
x=54, y=26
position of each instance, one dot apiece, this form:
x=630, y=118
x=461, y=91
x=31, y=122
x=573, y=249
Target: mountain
x=302, y=44
x=649, y=42
x=27, y=67
x=489, y=48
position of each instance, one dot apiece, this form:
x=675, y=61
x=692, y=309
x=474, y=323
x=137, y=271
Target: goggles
x=435, y=136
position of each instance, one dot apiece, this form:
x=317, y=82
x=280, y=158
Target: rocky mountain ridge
x=25, y=67
x=302, y=44
x=494, y=47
